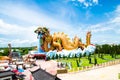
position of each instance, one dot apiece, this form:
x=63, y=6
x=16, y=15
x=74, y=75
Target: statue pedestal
x=40, y=56
x=61, y=70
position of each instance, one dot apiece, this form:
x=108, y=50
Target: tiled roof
x=6, y=73
x=41, y=74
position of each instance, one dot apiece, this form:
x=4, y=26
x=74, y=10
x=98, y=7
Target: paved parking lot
x=106, y=73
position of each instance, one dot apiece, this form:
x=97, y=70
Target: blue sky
x=19, y=19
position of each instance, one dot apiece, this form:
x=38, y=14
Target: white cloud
x=104, y=41
x=20, y=34
x=25, y=34
x=108, y=31
x=12, y=29
x=87, y=3
x=95, y=1
x=88, y=15
x=19, y=43
x=100, y=27
x=116, y=20
x=7, y=29
x=34, y=17
x=113, y=24
x=81, y=1
x=118, y=10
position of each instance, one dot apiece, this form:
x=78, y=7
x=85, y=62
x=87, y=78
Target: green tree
x=1, y=54
x=6, y=52
x=89, y=58
x=95, y=59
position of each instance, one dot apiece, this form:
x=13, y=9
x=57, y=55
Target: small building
x=38, y=55
x=15, y=55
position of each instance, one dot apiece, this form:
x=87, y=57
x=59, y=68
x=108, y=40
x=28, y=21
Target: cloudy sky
x=19, y=19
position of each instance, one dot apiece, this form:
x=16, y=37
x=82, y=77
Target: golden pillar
x=88, y=38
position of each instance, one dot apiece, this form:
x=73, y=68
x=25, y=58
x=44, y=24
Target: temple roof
x=6, y=73
x=41, y=74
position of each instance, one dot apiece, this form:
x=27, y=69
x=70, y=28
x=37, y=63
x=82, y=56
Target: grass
x=85, y=61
